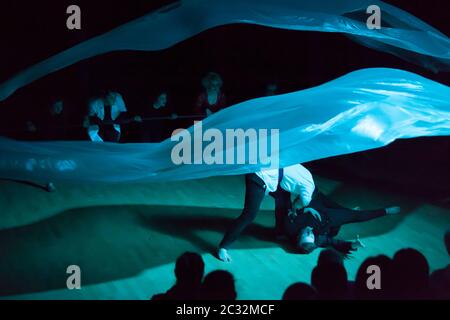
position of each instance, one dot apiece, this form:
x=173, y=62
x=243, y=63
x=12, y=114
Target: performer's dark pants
x=340, y=215
x=254, y=194
x=109, y=134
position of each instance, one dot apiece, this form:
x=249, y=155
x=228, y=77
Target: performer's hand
x=357, y=243
x=392, y=210
x=292, y=213
x=174, y=116
x=314, y=213
x=223, y=255
x=138, y=119
x=297, y=204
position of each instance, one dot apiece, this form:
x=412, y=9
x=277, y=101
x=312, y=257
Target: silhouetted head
x=306, y=240
x=440, y=284
x=374, y=279
x=189, y=269
x=330, y=281
x=411, y=272
x=219, y=285
x=330, y=256
x=271, y=89
x=447, y=241
x=57, y=107
x=30, y=126
x=300, y=291
x=212, y=81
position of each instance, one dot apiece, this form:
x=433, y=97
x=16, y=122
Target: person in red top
x=212, y=99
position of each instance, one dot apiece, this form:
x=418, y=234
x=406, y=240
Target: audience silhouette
x=300, y=291
x=219, y=285
x=330, y=256
x=330, y=281
x=411, y=274
x=405, y=276
x=361, y=289
x=189, y=271
x=440, y=279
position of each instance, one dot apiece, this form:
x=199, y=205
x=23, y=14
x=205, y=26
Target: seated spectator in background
x=330, y=281
x=189, y=271
x=50, y=124
x=440, y=279
x=219, y=285
x=212, y=99
x=330, y=256
x=56, y=121
x=271, y=89
x=384, y=291
x=106, y=114
x=30, y=131
x=156, y=130
x=411, y=272
x=300, y=291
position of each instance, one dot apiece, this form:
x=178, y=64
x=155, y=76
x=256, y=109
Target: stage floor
x=126, y=238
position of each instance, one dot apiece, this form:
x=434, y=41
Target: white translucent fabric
x=363, y=110
x=402, y=34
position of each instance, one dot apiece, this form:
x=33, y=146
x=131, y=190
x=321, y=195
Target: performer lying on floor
x=318, y=224
x=298, y=181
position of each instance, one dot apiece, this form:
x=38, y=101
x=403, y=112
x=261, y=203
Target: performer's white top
x=97, y=108
x=296, y=180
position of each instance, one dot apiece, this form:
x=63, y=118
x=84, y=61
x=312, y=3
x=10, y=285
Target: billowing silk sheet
x=362, y=110
x=402, y=34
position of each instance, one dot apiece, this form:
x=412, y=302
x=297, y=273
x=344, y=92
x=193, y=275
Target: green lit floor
x=126, y=238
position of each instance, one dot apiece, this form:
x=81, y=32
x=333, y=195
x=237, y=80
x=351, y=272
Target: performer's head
x=212, y=82
x=107, y=94
x=110, y=97
x=306, y=240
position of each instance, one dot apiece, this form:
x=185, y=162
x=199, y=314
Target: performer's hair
x=306, y=247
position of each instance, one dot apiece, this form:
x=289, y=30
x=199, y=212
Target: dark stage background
x=247, y=57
